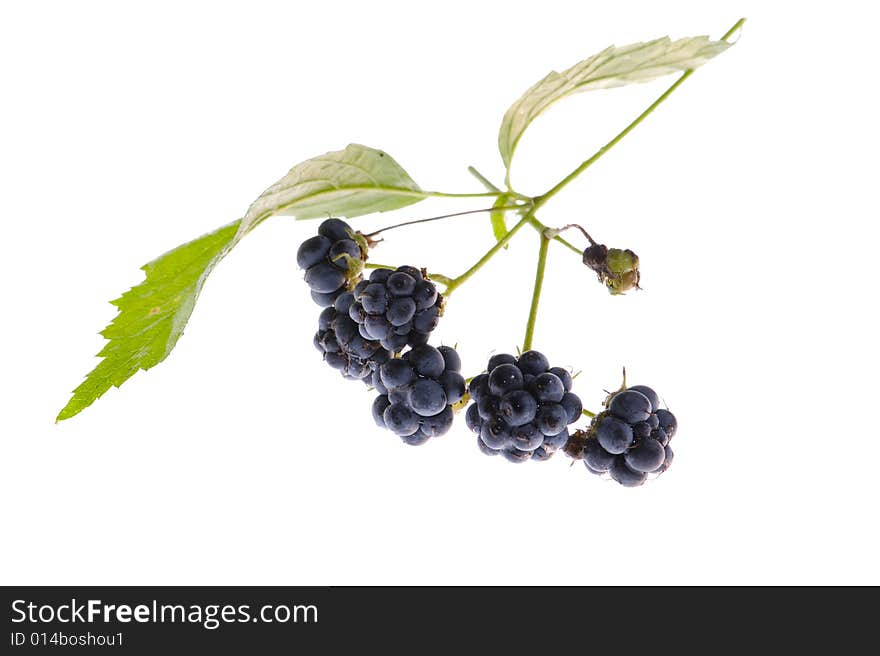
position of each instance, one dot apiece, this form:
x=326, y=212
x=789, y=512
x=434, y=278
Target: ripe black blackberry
x=396, y=307
x=343, y=347
x=418, y=391
x=522, y=407
x=333, y=260
x=629, y=440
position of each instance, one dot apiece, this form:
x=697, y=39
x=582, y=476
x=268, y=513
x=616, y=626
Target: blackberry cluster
x=333, y=260
x=417, y=392
x=396, y=308
x=630, y=439
x=364, y=322
x=343, y=346
x=522, y=407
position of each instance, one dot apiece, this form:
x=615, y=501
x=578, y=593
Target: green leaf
x=499, y=225
x=152, y=315
x=639, y=62
x=351, y=182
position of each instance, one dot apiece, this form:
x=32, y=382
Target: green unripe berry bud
x=622, y=271
x=616, y=267
x=623, y=283
x=621, y=261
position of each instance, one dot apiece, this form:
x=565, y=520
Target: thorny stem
x=536, y=294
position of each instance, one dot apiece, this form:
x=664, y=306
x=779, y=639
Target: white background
x=750, y=197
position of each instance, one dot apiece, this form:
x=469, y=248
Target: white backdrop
x=750, y=197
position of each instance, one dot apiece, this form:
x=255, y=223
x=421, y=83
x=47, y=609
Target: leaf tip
x=68, y=411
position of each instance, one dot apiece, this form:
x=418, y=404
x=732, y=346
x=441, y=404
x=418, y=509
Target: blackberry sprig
x=377, y=330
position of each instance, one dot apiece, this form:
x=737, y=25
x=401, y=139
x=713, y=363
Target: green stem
x=483, y=179
x=543, y=198
x=589, y=414
x=510, y=193
x=733, y=30
x=569, y=245
x=536, y=294
x=438, y=218
x=455, y=283
x=540, y=200
x=540, y=227
x=439, y=277
x=440, y=194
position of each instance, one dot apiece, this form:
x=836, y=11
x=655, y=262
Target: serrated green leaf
x=351, y=182
x=639, y=62
x=152, y=315
x=497, y=217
